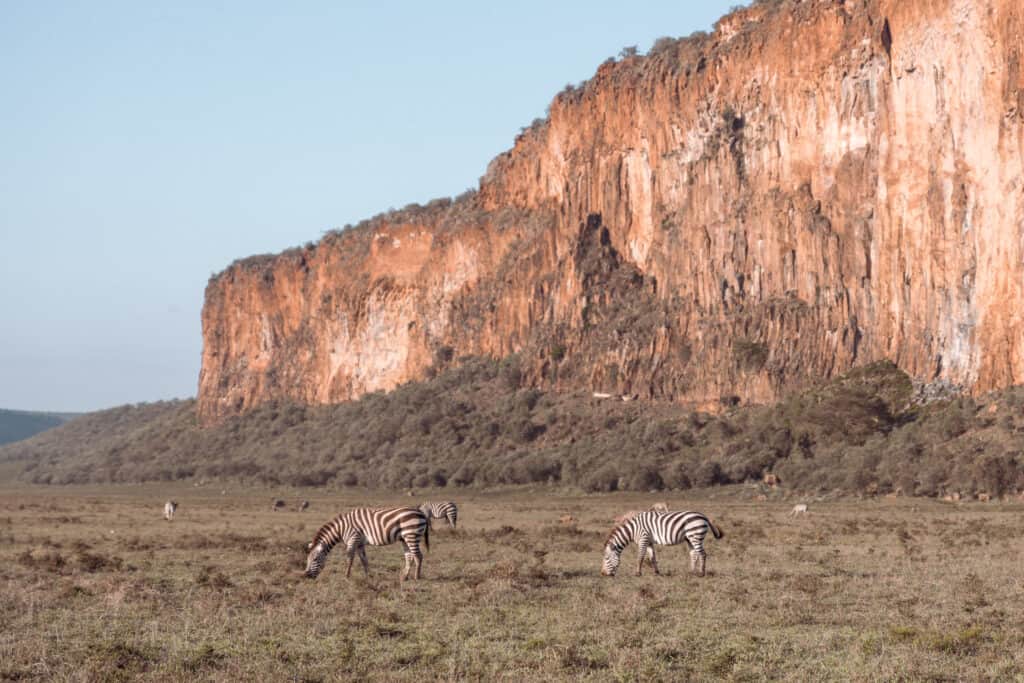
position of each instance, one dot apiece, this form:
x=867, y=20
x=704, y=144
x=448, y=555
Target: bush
x=709, y=473
x=605, y=478
x=663, y=44
x=474, y=425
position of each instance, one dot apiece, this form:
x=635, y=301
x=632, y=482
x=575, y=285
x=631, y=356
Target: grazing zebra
x=661, y=528
x=169, y=508
x=800, y=509
x=446, y=510
x=381, y=526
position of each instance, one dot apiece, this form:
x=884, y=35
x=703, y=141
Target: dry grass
x=96, y=586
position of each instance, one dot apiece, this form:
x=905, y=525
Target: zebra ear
x=309, y=546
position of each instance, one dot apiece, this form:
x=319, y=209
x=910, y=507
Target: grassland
x=96, y=586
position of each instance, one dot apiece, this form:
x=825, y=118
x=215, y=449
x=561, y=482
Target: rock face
x=816, y=185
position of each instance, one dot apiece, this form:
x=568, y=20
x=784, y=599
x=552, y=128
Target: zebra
x=661, y=528
x=169, y=508
x=381, y=526
x=446, y=510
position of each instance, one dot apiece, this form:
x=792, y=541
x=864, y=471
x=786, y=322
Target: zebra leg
x=410, y=562
x=413, y=557
x=417, y=559
x=644, y=544
x=366, y=564
x=697, y=560
x=654, y=560
x=351, y=557
x=353, y=545
x=406, y=555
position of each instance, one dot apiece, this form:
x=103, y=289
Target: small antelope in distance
x=277, y=505
x=661, y=528
x=626, y=516
x=304, y=506
x=446, y=510
x=799, y=509
x=362, y=526
x=169, y=508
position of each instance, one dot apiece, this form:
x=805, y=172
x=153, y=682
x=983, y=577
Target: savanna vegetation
x=474, y=426
x=97, y=587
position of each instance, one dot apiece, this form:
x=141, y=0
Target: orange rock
x=781, y=215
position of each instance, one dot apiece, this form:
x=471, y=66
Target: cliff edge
x=815, y=185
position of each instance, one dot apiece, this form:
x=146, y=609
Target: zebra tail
x=715, y=530
x=426, y=536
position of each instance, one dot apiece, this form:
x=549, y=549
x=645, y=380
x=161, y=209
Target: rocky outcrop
x=814, y=186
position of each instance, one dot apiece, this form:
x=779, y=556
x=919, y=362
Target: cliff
x=815, y=185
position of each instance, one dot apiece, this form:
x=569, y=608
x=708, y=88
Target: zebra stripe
x=446, y=510
x=659, y=528
x=362, y=526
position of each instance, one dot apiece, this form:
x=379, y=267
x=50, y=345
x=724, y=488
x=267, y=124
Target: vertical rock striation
x=815, y=185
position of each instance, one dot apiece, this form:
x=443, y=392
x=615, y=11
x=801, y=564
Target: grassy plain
x=96, y=586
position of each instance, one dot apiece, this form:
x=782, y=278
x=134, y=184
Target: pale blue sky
x=145, y=146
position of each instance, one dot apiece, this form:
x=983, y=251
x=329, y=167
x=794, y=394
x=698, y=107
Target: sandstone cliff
x=815, y=185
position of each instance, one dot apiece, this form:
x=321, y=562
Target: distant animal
x=567, y=520
x=278, y=505
x=362, y=526
x=304, y=506
x=446, y=510
x=169, y=508
x=660, y=507
x=800, y=509
x=625, y=517
x=648, y=529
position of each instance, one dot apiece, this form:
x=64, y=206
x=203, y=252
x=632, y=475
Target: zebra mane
x=322, y=532
x=615, y=530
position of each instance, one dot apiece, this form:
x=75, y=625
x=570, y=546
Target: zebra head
x=315, y=560
x=610, y=563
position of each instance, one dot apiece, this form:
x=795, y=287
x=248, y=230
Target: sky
x=144, y=146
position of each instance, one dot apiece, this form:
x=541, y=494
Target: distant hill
x=16, y=425
x=475, y=425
